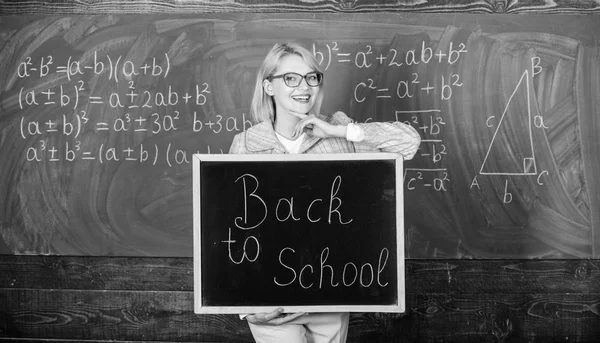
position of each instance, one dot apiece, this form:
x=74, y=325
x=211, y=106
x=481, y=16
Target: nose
x=303, y=83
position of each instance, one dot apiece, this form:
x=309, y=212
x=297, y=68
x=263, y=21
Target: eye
x=291, y=78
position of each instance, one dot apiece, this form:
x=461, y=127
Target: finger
x=272, y=315
x=298, y=128
x=261, y=318
x=306, y=127
x=301, y=125
x=288, y=318
x=309, y=131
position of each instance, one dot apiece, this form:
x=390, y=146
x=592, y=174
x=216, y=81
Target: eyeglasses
x=313, y=79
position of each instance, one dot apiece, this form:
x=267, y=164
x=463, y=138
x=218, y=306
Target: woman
x=287, y=98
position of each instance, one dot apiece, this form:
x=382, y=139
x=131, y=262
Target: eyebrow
x=291, y=71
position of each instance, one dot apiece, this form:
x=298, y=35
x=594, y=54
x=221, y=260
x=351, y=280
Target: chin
x=303, y=108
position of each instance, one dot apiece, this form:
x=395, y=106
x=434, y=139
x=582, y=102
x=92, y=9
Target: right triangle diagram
x=511, y=150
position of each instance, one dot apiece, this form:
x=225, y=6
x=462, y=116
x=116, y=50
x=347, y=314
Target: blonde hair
x=262, y=107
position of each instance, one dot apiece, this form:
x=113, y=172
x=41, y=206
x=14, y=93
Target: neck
x=285, y=124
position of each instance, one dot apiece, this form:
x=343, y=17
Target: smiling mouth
x=301, y=98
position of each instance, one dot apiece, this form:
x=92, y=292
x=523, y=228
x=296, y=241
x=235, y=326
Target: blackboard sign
x=311, y=233
x=100, y=116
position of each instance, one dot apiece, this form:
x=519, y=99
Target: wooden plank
x=207, y=6
x=109, y=315
x=109, y=273
x=168, y=316
x=503, y=276
x=176, y=274
x=63, y=340
x=45, y=298
x=46, y=340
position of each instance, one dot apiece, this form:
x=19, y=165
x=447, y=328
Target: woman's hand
x=273, y=318
x=317, y=127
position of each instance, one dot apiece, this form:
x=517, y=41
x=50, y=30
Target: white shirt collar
x=292, y=146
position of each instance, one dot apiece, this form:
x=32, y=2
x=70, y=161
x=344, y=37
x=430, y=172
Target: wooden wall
x=262, y=6
x=48, y=298
x=140, y=299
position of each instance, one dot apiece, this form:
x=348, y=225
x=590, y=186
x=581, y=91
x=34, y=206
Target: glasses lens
x=292, y=79
x=314, y=79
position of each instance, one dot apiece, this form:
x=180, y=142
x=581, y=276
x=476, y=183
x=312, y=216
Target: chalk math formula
x=110, y=109
x=109, y=86
x=412, y=81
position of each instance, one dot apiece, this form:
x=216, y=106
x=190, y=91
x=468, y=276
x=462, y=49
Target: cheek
x=316, y=94
x=281, y=92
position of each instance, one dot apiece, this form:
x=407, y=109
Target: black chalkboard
x=304, y=232
x=100, y=116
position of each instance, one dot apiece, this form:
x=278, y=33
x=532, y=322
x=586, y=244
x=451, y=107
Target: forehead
x=293, y=63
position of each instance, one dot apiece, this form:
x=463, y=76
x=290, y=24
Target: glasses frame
x=282, y=76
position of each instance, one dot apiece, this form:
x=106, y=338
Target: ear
x=268, y=87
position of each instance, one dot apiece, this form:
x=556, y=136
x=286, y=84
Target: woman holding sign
x=287, y=99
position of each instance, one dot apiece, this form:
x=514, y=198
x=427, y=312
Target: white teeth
x=301, y=97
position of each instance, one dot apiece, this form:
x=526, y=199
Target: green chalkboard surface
x=309, y=233
x=100, y=116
